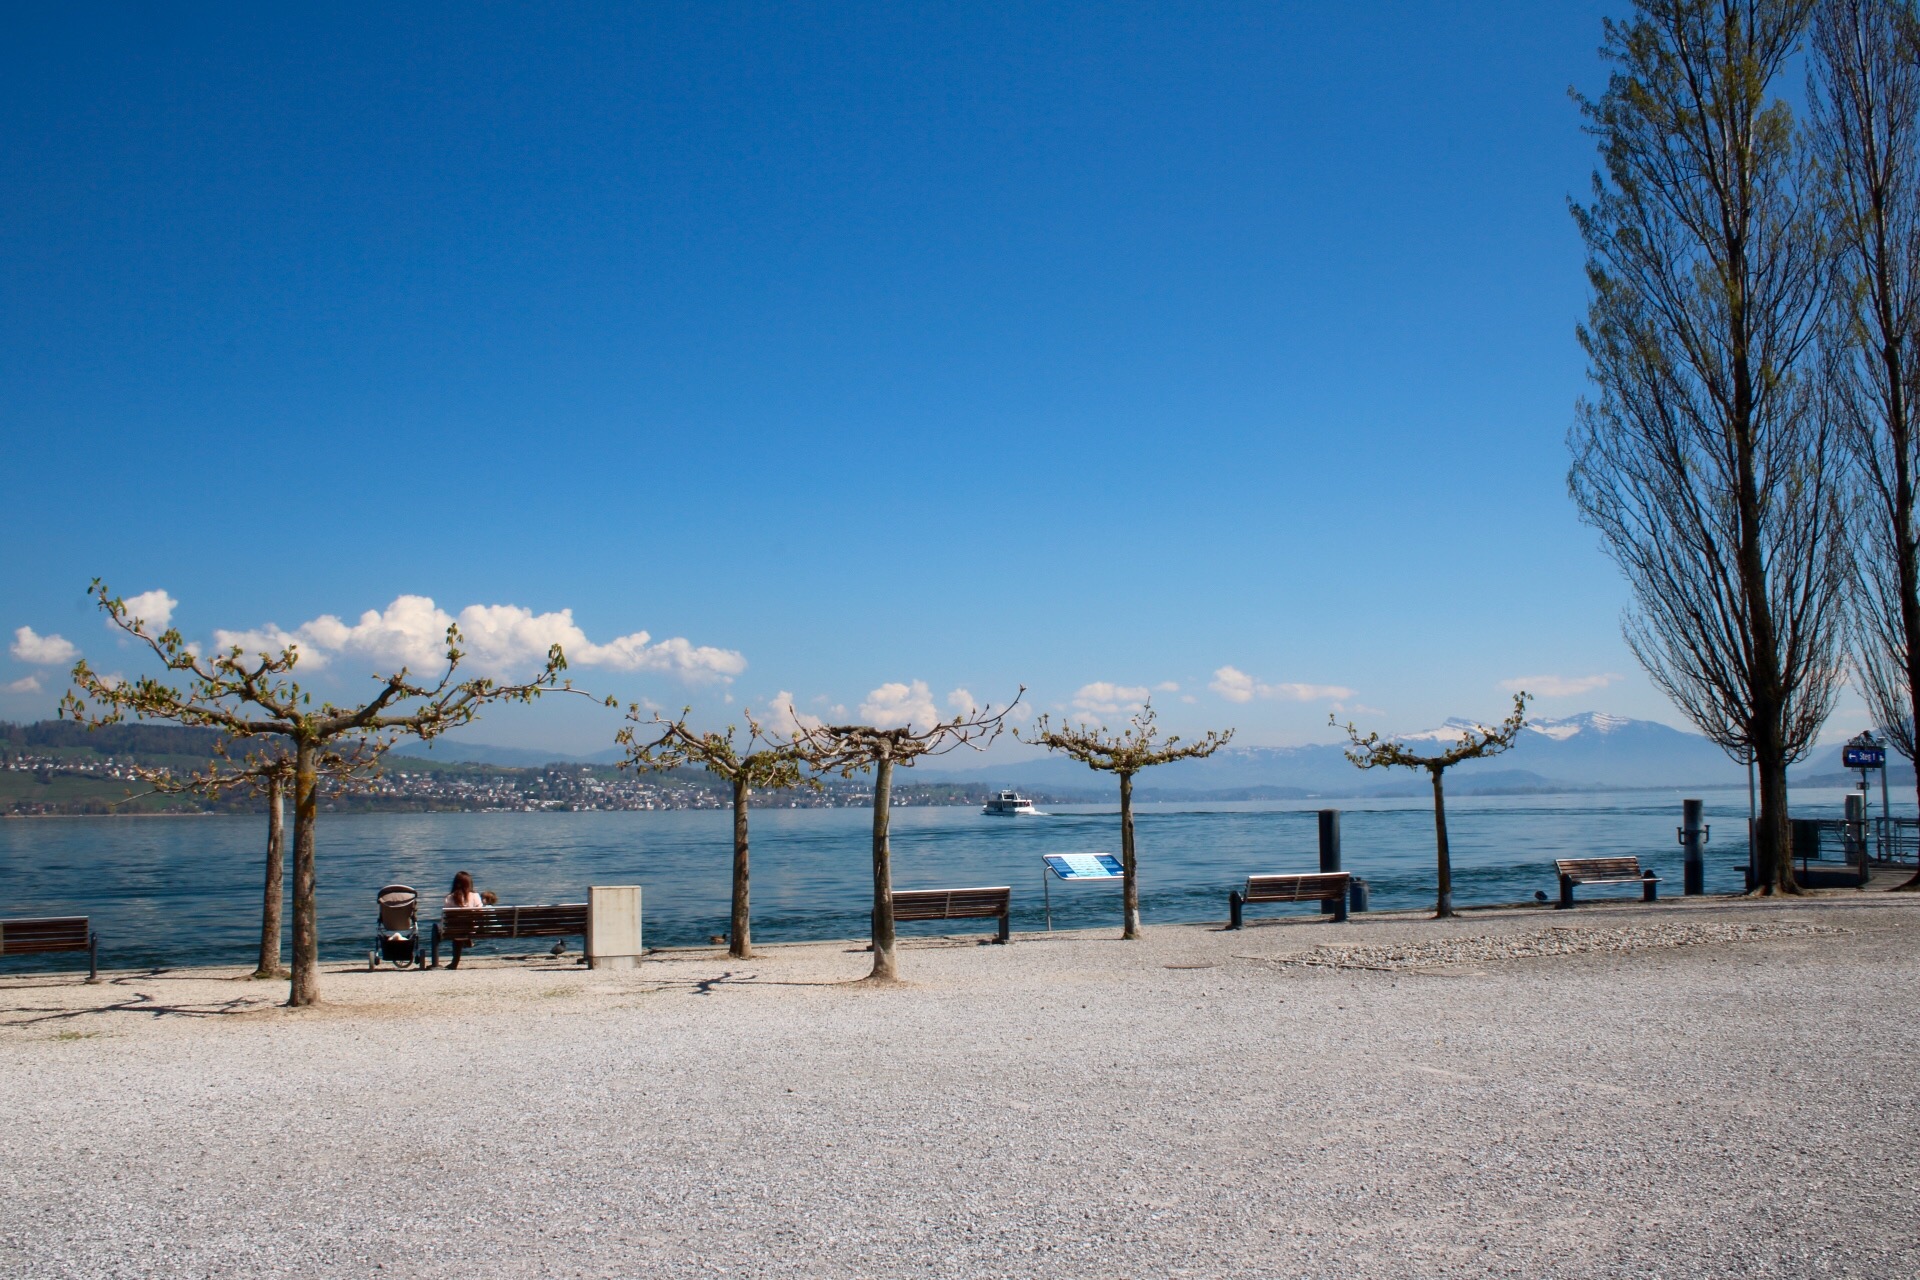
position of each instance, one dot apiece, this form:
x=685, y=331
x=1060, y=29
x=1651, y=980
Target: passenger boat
x=1009, y=804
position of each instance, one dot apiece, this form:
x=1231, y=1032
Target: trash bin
x=1357, y=894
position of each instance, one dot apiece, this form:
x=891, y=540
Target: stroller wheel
x=401, y=964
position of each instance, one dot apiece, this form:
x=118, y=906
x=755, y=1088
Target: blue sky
x=1225, y=347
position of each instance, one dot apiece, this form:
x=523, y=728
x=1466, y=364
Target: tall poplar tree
x=1865, y=94
x=1702, y=458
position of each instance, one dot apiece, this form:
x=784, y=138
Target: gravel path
x=1689, y=1089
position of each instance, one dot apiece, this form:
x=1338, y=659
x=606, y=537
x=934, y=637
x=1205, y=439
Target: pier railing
x=1888, y=840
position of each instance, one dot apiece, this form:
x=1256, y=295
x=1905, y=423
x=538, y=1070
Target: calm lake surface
x=186, y=891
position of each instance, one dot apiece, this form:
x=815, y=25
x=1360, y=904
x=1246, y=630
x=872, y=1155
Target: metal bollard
x=1693, y=843
x=1329, y=849
x=1856, y=829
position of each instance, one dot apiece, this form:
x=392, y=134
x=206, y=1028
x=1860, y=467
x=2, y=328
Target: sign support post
x=1863, y=753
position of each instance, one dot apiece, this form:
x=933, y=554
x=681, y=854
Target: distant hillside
x=516, y=757
x=64, y=737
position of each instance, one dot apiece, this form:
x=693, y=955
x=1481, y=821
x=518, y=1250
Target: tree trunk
x=1129, y=885
x=1776, y=830
x=884, y=967
x=274, y=891
x=1898, y=430
x=740, y=943
x=305, y=989
x=1443, y=906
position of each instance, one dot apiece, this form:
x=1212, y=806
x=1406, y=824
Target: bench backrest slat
x=1318, y=886
x=952, y=904
x=555, y=921
x=49, y=933
x=1578, y=869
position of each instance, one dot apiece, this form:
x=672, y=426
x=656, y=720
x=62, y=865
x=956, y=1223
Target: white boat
x=1009, y=804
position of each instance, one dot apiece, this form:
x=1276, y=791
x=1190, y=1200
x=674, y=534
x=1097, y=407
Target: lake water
x=186, y=891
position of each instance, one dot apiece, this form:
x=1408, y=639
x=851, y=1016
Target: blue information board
x=1076, y=866
x=1861, y=756
x=1084, y=866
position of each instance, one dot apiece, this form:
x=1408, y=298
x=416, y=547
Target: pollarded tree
x=847, y=749
x=763, y=761
x=266, y=772
x=1478, y=742
x=1866, y=132
x=1124, y=754
x=254, y=697
x=1705, y=460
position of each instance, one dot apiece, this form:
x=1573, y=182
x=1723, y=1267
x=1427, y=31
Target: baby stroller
x=398, y=942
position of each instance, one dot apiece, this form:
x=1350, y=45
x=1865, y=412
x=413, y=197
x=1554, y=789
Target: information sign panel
x=1084, y=866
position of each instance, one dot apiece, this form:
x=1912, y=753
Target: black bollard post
x=1329, y=848
x=1693, y=839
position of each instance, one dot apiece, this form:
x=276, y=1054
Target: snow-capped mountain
x=1592, y=749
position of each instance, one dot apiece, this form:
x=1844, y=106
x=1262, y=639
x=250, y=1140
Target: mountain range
x=1591, y=750
x=1588, y=751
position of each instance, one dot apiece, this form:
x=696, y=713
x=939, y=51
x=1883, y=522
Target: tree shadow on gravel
x=707, y=986
x=141, y=1003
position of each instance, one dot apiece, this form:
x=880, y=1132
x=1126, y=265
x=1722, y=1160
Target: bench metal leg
x=1006, y=927
x=93, y=957
x=1566, y=892
x=436, y=945
x=1649, y=888
x=1340, y=908
x=1234, y=904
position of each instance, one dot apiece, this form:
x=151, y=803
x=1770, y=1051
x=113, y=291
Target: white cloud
x=43, y=651
x=1188, y=698
x=496, y=638
x=25, y=684
x=894, y=705
x=783, y=719
x=961, y=702
x=152, y=609
x=1104, y=698
x=1559, y=686
x=1236, y=685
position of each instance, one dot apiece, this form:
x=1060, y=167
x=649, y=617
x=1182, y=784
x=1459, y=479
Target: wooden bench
x=1318, y=886
x=52, y=933
x=464, y=926
x=1575, y=871
x=957, y=904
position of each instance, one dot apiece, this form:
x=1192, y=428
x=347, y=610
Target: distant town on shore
x=57, y=768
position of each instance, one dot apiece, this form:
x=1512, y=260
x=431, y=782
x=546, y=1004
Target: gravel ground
x=1690, y=1089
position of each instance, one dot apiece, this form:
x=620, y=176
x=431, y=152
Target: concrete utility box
x=613, y=926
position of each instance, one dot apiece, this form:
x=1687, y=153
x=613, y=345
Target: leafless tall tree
x=253, y=697
x=1865, y=94
x=1478, y=742
x=847, y=749
x=1703, y=460
x=763, y=760
x=1124, y=754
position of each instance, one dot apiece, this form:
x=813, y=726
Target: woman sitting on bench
x=462, y=895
